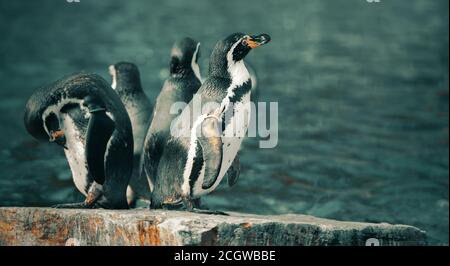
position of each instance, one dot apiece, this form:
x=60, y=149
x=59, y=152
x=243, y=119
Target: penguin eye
x=244, y=40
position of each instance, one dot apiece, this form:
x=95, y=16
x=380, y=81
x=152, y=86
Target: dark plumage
x=182, y=84
x=127, y=83
x=85, y=116
x=193, y=165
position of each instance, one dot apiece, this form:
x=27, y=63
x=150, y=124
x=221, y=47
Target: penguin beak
x=257, y=40
x=58, y=137
x=54, y=135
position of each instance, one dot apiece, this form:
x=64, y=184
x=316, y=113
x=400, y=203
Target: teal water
x=362, y=91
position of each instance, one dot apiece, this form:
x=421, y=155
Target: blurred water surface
x=362, y=91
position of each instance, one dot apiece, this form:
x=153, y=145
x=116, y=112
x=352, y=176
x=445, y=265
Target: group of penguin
x=121, y=148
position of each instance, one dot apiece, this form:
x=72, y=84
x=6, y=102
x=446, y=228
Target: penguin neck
x=218, y=66
x=128, y=87
x=234, y=71
x=238, y=73
x=182, y=72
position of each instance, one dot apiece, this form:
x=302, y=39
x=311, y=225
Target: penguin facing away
x=182, y=84
x=203, y=147
x=82, y=114
x=127, y=84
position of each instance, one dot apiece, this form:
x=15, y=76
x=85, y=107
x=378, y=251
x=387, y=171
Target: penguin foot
x=87, y=204
x=192, y=205
x=172, y=206
x=83, y=205
x=201, y=211
x=78, y=205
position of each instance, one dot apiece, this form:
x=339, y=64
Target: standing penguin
x=85, y=116
x=182, y=84
x=127, y=83
x=203, y=146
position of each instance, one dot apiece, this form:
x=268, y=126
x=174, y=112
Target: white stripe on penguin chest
x=231, y=143
x=75, y=141
x=75, y=153
x=232, y=139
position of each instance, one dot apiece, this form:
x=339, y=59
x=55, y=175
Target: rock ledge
x=40, y=226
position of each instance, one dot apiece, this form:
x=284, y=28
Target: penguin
x=127, y=84
x=202, y=147
x=183, y=82
x=82, y=114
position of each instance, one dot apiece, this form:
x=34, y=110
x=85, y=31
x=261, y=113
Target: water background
x=362, y=91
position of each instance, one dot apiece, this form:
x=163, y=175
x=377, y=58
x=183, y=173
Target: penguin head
x=125, y=77
x=40, y=124
x=232, y=50
x=33, y=117
x=184, y=57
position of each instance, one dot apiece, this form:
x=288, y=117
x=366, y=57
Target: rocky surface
x=363, y=93
x=39, y=226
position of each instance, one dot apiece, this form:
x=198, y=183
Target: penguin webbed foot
x=77, y=205
x=211, y=212
x=173, y=206
x=189, y=205
x=194, y=206
x=82, y=205
x=91, y=202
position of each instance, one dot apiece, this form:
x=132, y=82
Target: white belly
x=231, y=144
x=75, y=153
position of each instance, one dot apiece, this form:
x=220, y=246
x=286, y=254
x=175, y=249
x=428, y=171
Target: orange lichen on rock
x=50, y=227
x=7, y=234
x=58, y=234
x=148, y=234
x=246, y=225
x=6, y=227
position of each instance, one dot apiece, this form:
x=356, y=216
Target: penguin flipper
x=153, y=149
x=211, y=144
x=233, y=172
x=99, y=132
